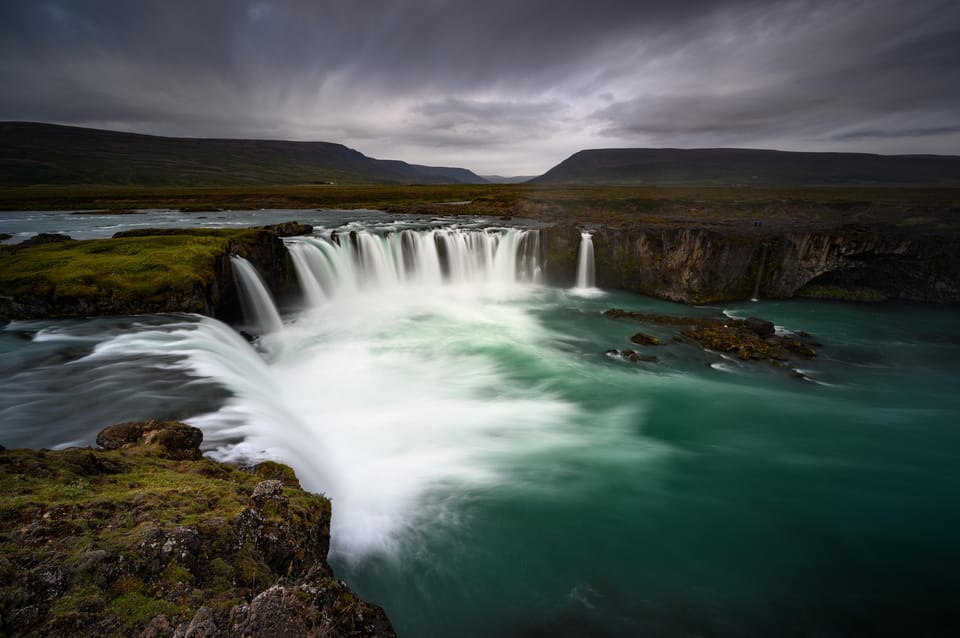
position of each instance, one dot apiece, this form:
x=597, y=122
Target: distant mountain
x=32, y=153
x=499, y=179
x=747, y=167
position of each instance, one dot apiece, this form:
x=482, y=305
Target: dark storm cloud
x=497, y=85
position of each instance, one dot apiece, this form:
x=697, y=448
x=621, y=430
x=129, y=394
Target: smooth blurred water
x=494, y=473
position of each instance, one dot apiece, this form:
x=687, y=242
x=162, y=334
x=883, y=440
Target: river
x=494, y=473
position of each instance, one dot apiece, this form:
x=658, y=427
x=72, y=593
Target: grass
x=150, y=268
x=612, y=205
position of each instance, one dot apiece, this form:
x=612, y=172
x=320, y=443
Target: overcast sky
x=498, y=86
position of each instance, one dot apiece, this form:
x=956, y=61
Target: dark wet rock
x=643, y=339
x=289, y=229
x=741, y=337
x=5, y=236
x=44, y=238
x=166, y=546
x=760, y=327
x=175, y=440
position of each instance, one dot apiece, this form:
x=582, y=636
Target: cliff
x=706, y=264
x=138, y=272
x=145, y=537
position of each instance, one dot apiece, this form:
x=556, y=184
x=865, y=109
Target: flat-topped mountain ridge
x=34, y=153
x=751, y=167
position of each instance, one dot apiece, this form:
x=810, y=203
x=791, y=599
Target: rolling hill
x=33, y=153
x=748, y=167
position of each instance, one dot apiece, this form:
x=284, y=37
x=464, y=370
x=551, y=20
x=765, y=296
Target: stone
x=289, y=229
x=760, y=327
x=174, y=440
x=271, y=489
x=643, y=339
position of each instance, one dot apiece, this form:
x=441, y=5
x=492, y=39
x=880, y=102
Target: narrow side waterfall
x=365, y=260
x=756, y=284
x=585, y=266
x=258, y=307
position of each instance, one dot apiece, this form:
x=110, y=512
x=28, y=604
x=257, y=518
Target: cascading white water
x=585, y=265
x=258, y=307
x=394, y=387
x=363, y=260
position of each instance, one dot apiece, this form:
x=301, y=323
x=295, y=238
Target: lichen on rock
x=752, y=338
x=148, y=538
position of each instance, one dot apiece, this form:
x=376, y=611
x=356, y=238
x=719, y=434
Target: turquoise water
x=710, y=502
x=494, y=473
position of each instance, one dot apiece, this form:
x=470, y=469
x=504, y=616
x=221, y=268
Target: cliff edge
x=145, y=537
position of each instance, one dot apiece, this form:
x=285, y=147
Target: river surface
x=494, y=473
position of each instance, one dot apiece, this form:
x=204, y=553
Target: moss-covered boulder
x=149, y=538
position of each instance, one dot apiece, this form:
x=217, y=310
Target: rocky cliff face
x=701, y=265
x=145, y=537
x=139, y=272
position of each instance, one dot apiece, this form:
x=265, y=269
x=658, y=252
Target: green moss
x=135, y=609
x=90, y=511
x=150, y=267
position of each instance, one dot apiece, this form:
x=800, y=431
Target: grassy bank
x=617, y=205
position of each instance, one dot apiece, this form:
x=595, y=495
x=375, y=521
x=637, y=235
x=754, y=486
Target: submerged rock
x=643, y=339
x=148, y=538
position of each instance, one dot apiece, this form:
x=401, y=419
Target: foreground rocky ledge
x=147, y=538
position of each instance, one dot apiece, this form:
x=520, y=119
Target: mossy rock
x=149, y=533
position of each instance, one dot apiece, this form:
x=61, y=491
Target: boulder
x=760, y=327
x=643, y=339
x=289, y=229
x=173, y=440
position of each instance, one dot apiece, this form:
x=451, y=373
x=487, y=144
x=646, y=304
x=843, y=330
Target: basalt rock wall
x=701, y=265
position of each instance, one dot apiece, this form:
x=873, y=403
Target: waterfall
x=756, y=284
x=330, y=267
x=258, y=308
x=585, y=275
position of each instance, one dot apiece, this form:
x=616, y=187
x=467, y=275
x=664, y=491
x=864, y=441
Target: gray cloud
x=499, y=86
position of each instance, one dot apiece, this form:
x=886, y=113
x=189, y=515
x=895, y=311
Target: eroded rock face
x=148, y=538
x=701, y=265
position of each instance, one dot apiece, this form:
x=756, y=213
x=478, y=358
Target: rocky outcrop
x=289, y=229
x=139, y=272
x=706, y=264
x=750, y=338
x=147, y=538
